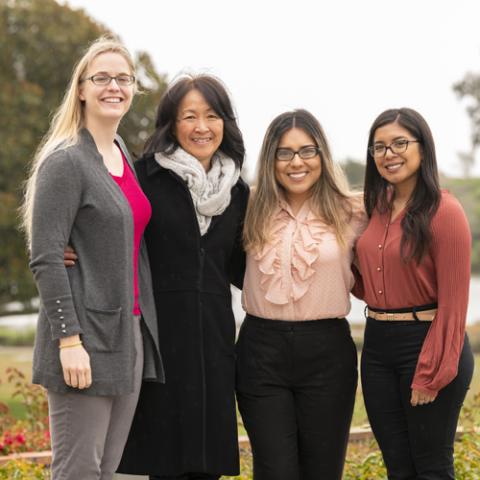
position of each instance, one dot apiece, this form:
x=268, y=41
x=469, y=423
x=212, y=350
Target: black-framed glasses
x=103, y=79
x=397, y=146
x=305, y=153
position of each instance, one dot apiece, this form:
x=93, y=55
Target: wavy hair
x=424, y=201
x=330, y=199
x=68, y=120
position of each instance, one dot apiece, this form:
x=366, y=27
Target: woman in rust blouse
x=414, y=258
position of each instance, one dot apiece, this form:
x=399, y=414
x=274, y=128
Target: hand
x=419, y=398
x=69, y=256
x=75, y=364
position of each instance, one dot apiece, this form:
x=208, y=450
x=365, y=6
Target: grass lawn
x=21, y=358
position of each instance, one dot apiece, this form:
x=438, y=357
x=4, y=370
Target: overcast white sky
x=344, y=60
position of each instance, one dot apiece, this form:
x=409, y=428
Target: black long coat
x=189, y=423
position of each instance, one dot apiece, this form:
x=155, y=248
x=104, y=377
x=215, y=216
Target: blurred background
x=345, y=61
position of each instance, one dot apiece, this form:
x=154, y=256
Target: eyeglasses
x=398, y=146
x=305, y=153
x=103, y=79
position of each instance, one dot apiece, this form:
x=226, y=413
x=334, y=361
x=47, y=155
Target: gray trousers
x=89, y=432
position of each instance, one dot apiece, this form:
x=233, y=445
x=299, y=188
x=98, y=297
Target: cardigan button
x=57, y=302
x=380, y=246
x=59, y=310
x=379, y=269
x=380, y=292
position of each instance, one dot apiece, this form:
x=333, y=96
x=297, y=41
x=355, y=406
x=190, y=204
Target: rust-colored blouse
x=442, y=277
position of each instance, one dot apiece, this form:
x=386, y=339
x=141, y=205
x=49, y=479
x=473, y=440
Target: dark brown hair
x=423, y=203
x=163, y=138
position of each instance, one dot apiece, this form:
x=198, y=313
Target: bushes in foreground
x=364, y=461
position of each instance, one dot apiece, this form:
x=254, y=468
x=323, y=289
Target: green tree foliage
x=40, y=41
x=355, y=172
x=469, y=88
x=467, y=190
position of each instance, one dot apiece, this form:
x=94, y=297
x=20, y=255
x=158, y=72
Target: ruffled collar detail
x=286, y=260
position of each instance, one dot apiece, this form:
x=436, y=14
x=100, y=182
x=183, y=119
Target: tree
x=467, y=159
x=355, y=172
x=39, y=42
x=469, y=88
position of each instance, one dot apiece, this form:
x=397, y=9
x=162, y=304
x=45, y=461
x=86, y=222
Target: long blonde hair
x=330, y=199
x=67, y=121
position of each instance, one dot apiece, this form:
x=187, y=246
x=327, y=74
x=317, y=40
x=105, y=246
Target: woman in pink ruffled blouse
x=296, y=361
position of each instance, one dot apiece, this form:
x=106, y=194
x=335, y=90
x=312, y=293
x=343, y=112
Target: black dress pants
x=416, y=442
x=187, y=476
x=296, y=383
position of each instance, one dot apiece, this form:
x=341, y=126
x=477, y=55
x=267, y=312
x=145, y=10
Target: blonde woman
x=296, y=361
x=97, y=329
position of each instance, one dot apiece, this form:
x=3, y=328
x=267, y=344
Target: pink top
x=442, y=277
x=141, y=211
x=302, y=273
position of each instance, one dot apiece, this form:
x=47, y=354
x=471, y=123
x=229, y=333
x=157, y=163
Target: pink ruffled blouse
x=302, y=273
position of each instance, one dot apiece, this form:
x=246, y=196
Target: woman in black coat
x=190, y=172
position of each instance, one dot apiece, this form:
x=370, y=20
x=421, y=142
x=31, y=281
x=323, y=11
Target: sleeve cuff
x=62, y=317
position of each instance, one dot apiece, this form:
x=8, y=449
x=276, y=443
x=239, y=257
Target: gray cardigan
x=78, y=203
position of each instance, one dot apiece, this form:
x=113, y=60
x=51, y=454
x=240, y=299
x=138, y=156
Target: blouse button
x=380, y=246
x=380, y=292
x=379, y=269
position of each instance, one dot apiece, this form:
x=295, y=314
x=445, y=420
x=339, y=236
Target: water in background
x=356, y=314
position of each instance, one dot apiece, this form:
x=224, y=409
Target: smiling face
x=297, y=177
x=106, y=102
x=199, y=129
x=399, y=169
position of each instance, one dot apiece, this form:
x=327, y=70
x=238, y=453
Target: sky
x=344, y=60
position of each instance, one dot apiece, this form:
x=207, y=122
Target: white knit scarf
x=210, y=190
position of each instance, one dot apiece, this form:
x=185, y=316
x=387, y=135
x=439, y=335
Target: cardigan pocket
x=102, y=329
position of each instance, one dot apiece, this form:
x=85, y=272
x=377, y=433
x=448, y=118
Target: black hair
x=163, y=138
x=424, y=201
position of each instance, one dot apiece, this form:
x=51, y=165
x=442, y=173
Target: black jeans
x=296, y=383
x=416, y=442
x=187, y=476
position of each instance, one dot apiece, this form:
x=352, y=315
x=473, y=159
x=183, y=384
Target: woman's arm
x=238, y=257
x=57, y=199
x=451, y=247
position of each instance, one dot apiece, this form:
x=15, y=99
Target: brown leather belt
x=424, y=316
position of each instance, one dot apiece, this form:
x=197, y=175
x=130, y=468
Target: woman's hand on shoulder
x=69, y=256
x=75, y=363
x=359, y=218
